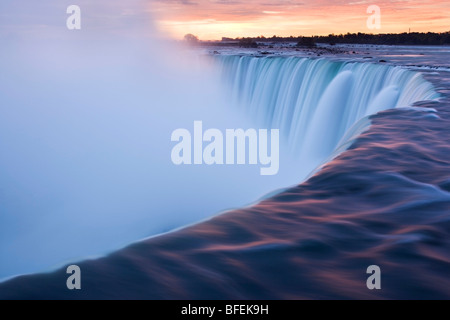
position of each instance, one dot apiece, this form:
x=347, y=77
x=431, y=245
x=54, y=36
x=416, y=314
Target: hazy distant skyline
x=210, y=20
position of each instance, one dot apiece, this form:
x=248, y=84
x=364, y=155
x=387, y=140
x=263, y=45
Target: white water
x=314, y=102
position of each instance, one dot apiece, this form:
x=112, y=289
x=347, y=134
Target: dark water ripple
x=385, y=201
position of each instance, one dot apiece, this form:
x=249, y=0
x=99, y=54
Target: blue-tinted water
x=383, y=200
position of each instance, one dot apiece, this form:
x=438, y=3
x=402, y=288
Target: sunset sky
x=213, y=19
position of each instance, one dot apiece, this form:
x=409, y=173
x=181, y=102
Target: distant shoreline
x=420, y=58
x=410, y=39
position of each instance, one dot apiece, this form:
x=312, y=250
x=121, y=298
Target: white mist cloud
x=85, y=123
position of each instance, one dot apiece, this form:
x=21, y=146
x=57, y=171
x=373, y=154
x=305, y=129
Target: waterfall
x=314, y=102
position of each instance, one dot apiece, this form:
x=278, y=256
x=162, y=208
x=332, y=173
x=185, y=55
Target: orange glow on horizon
x=214, y=20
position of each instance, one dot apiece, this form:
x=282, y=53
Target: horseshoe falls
x=92, y=104
x=316, y=102
x=364, y=169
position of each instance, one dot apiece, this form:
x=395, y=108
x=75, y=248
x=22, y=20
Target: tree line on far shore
x=407, y=38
